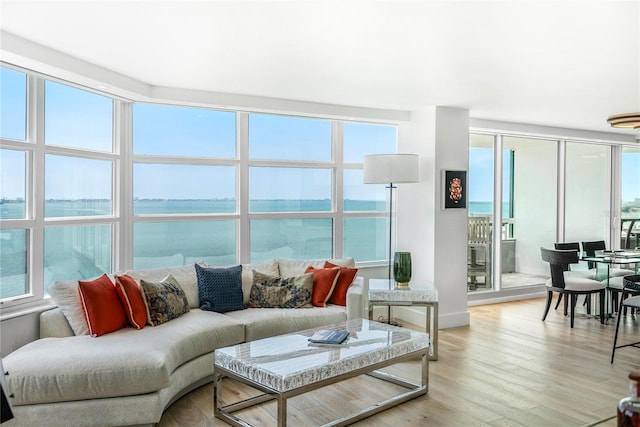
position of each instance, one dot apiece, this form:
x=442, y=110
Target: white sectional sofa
x=130, y=376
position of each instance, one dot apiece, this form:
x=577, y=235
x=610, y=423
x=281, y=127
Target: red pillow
x=130, y=295
x=101, y=306
x=324, y=281
x=347, y=274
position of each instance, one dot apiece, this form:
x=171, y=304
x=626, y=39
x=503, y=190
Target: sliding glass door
x=587, y=192
x=481, y=188
x=533, y=202
x=506, y=237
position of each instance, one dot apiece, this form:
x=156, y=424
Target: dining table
x=606, y=260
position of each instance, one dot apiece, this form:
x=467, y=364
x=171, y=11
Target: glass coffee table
x=285, y=366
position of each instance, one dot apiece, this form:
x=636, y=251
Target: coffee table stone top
x=287, y=362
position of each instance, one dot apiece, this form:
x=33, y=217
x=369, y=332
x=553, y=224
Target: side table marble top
x=385, y=290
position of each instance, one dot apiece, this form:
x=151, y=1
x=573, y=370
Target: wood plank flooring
x=508, y=368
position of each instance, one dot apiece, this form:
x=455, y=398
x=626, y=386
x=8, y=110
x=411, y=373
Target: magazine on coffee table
x=329, y=337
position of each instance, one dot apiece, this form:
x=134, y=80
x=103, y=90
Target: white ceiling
x=557, y=63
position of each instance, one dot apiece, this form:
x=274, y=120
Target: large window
x=105, y=185
x=184, y=166
x=295, y=168
x=79, y=163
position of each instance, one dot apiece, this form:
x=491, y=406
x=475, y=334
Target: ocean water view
x=85, y=251
x=15, y=209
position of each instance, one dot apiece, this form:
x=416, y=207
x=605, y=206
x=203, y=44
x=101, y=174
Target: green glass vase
x=402, y=268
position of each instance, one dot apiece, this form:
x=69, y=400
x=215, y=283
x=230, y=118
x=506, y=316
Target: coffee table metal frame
x=225, y=412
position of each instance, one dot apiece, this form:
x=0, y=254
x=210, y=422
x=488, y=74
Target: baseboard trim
x=497, y=299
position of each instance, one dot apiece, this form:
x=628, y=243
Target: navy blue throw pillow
x=220, y=289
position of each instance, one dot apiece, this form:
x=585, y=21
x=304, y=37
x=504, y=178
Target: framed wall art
x=454, y=189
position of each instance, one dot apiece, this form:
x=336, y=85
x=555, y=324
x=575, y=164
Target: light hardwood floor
x=508, y=368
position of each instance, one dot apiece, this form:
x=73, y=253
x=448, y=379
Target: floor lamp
x=391, y=169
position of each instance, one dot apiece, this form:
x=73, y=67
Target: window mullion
x=243, y=229
x=35, y=187
x=123, y=187
x=337, y=131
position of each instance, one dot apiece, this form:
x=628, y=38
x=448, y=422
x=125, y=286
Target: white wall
x=18, y=331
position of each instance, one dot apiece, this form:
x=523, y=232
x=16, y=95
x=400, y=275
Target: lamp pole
x=391, y=187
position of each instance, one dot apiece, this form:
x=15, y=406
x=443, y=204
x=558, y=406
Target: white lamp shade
x=390, y=168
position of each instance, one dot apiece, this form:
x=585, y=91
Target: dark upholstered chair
x=588, y=274
x=563, y=283
x=631, y=287
x=590, y=249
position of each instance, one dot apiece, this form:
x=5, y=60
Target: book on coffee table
x=329, y=337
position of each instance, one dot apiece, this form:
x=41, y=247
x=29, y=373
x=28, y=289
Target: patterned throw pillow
x=277, y=292
x=165, y=300
x=220, y=289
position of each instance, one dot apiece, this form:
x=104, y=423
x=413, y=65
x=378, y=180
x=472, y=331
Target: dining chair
x=631, y=287
x=590, y=249
x=588, y=274
x=569, y=285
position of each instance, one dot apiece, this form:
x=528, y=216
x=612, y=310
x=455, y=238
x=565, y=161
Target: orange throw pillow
x=130, y=295
x=324, y=281
x=347, y=274
x=101, y=306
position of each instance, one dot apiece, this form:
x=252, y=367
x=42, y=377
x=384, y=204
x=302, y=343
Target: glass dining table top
x=605, y=260
x=614, y=257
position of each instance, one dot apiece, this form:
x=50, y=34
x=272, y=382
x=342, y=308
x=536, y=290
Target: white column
x=437, y=239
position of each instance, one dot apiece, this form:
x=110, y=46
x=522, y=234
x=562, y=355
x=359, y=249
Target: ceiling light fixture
x=626, y=120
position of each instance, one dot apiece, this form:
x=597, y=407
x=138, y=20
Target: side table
x=383, y=292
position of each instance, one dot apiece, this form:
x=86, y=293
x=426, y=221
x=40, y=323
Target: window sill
x=26, y=309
